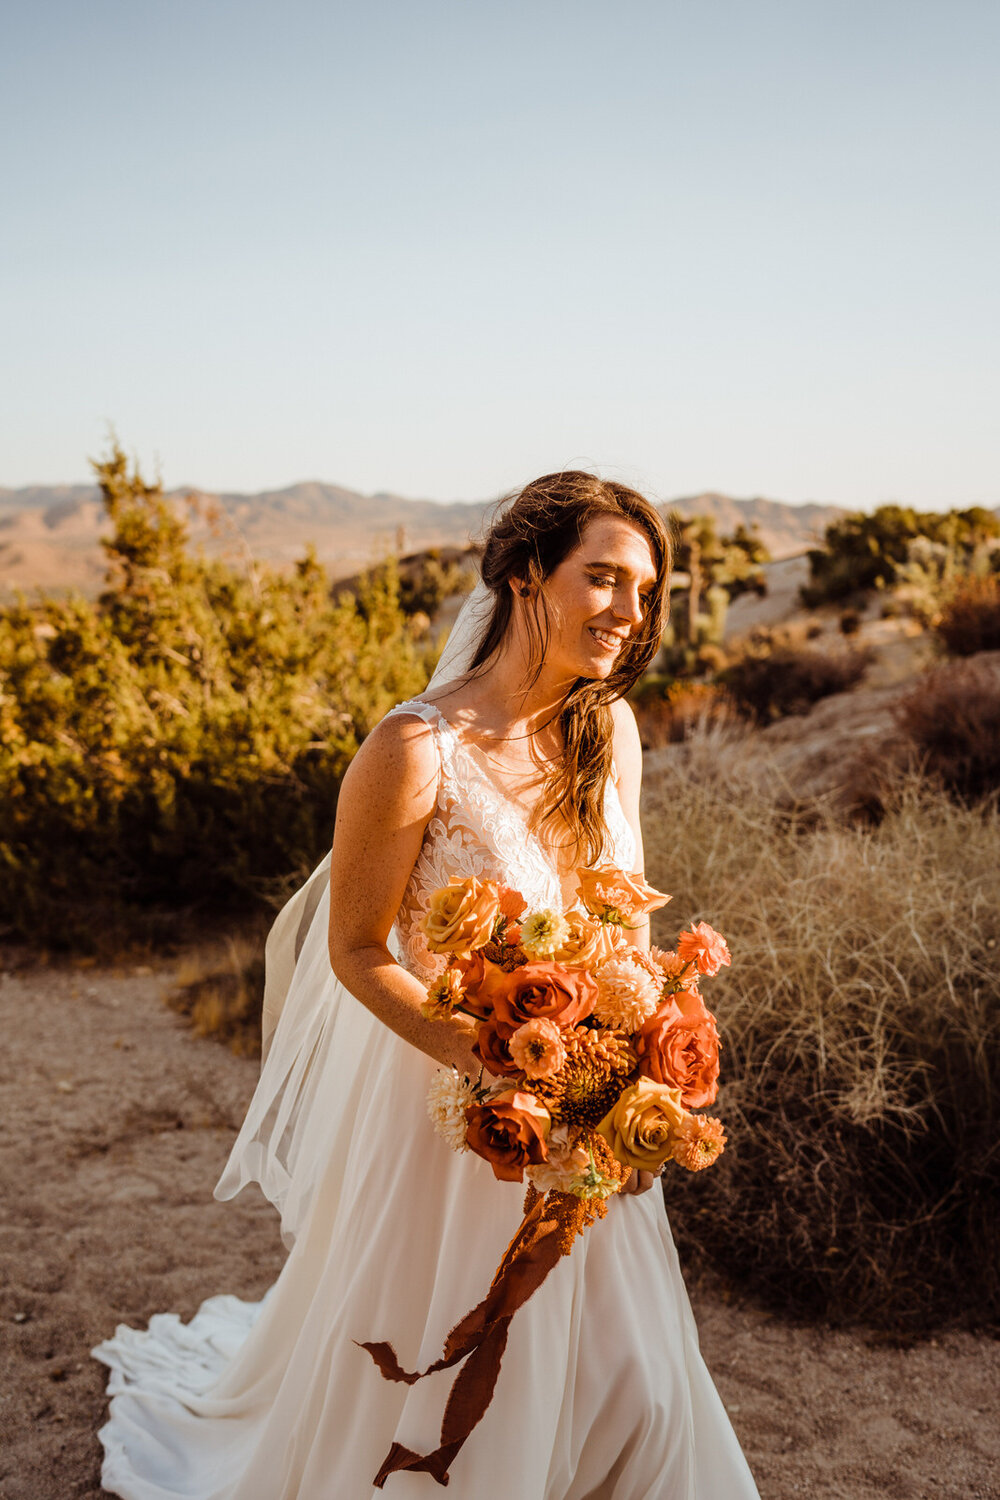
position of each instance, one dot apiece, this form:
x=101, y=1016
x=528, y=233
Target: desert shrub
x=428, y=578
x=861, y=1049
x=864, y=551
x=850, y=622
x=773, y=679
x=950, y=728
x=180, y=742
x=667, y=716
x=970, y=619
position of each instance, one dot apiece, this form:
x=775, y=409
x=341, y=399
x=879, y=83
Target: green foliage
x=180, y=742
x=863, y=552
x=718, y=570
x=426, y=581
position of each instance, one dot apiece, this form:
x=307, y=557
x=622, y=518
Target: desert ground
x=117, y=1121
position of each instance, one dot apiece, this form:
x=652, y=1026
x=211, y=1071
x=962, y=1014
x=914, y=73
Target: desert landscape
x=121, y=1103
x=50, y=536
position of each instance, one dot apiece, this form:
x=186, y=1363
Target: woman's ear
x=524, y=590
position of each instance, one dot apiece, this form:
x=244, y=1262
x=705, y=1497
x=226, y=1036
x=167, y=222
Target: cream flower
x=449, y=1095
x=566, y=1166
x=542, y=932
x=593, y=1183
x=627, y=994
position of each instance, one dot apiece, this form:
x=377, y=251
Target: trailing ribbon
x=482, y=1335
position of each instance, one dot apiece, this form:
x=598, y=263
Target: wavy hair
x=527, y=541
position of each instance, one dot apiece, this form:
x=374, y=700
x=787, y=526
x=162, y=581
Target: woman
x=521, y=763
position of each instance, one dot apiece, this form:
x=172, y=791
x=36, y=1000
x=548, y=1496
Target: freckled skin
x=388, y=794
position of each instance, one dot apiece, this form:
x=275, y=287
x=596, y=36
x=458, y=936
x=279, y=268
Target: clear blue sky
x=440, y=246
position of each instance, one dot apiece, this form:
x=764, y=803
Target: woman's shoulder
x=400, y=751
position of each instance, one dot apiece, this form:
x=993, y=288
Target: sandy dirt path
x=116, y=1122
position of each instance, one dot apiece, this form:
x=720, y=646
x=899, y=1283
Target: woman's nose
x=627, y=605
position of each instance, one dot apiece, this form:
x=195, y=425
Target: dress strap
x=444, y=737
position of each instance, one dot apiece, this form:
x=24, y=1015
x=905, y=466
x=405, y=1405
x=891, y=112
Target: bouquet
x=594, y=1056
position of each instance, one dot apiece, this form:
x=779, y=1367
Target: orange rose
x=642, y=1127
x=588, y=942
x=479, y=979
x=679, y=1046
x=509, y=1131
x=705, y=948
x=544, y=991
x=614, y=896
x=460, y=916
x=493, y=1051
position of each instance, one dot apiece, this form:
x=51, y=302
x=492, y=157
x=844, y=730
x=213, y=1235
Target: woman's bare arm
x=385, y=803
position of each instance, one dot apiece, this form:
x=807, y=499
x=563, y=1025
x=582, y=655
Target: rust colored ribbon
x=482, y=1335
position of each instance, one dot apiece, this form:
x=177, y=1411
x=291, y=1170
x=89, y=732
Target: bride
x=520, y=763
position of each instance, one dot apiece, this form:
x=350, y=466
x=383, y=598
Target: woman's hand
x=639, y=1182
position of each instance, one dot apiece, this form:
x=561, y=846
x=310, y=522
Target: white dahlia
x=627, y=994
x=448, y=1097
x=565, y=1167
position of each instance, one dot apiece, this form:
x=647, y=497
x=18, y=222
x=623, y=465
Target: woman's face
x=597, y=597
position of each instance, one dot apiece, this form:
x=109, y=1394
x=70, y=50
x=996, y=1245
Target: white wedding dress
x=602, y=1395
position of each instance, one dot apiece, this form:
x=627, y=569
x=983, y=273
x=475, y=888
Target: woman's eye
x=604, y=583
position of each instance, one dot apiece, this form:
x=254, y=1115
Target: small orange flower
x=707, y=948
x=443, y=995
x=672, y=966
x=701, y=1140
x=537, y=1048
x=511, y=903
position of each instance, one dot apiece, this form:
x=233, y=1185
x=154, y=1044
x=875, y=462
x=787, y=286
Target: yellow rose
x=642, y=1127
x=460, y=916
x=587, y=941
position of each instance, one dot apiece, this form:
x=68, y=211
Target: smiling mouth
x=607, y=638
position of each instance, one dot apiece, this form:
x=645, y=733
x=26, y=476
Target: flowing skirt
x=602, y=1395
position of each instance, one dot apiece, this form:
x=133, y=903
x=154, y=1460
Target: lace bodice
x=476, y=830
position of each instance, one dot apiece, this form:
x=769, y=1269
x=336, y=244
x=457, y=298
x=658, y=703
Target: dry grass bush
x=220, y=992
x=668, y=718
x=947, y=730
x=777, y=675
x=861, y=1032
x=970, y=618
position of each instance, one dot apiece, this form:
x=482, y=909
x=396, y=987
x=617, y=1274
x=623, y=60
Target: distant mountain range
x=50, y=535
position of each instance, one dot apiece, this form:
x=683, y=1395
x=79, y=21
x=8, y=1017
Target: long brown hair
x=528, y=540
